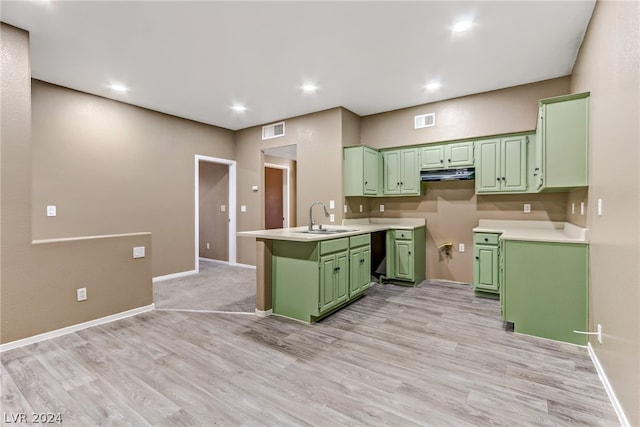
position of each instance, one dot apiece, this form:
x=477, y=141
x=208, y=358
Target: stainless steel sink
x=327, y=231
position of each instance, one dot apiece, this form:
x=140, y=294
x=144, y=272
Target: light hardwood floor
x=433, y=355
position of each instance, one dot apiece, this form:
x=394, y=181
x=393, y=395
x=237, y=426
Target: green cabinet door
x=371, y=172
x=403, y=259
x=410, y=173
x=513, y=164
x=563, y=126
x=391, y=172
x=488, y=177
x=360, y=171
x=459, y=154
x=432, y=157
x=359, y=270
x=485, y=271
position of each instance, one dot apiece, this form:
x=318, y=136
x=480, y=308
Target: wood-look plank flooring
x=434, y=355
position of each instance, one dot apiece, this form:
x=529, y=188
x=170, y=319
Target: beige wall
x=110, y=167
x=608, y=66
x=318, y=138
x=452, y=209
x=214, y=222
x=508, y=110
x=38, y=282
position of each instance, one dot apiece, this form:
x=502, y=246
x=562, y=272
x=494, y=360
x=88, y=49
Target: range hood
x=448, y=174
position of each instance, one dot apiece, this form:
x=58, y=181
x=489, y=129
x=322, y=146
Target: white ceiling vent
x=273, y=131
x=424, y=121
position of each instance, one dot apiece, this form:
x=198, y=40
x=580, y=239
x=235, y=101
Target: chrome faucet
x=311, y=214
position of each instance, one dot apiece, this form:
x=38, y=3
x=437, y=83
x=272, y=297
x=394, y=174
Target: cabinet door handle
x=449, y=160
x=498, y=179
x=397, y=183
x=442, y=161
x=409, y=253
x=401, y=183
x=477, y=257
x=361, y=261
x=366, y=182
x=504, y=179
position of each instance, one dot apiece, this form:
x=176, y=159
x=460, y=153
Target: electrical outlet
x=51, y=210
x=223, y=208
x=360, y=208
x=381, y=208
x=81, y=293
x=332, y=218
x=208, y=246
x=243, y=208
x=460, y=247
x=332, y=204
x=346, y=209
x=573, y=208
x=581, y=208
x=527, y=208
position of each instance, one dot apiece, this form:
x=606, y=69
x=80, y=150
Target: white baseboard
x=607, y=386
x=213, y=261
x=74, y=328
x=173, y=276
x=244, y=266
x=261, y=313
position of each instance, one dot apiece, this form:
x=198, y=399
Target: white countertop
x=355, y=227
x=535, y=231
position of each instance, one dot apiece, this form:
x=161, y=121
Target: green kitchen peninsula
x=307, y=275
x=540, y=271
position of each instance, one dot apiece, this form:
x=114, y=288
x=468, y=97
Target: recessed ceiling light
x=239, y=108
x=309, y=87
x=462, y=26
x=433, y=86
x=117, y=87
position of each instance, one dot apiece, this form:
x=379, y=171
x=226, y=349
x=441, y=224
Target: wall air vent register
x=424, y=121
x=273, y=131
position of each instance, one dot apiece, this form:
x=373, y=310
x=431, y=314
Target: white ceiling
x=196, y=59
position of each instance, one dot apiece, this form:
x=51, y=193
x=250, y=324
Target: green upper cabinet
x=447, y=156
x=401, y=174
x=361, y=171
x=501, y=165
x=562, y=143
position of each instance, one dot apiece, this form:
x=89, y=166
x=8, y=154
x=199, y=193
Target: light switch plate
x=243, y=208
x=573, y=208
x=527, y=208
x=223, y=208
x=51, y=210
x=138, y=252
x=361, y=208
x=460, y=247
x=381, y=208
x=346, y=209
x=81, y=294
x=599, y=207
x=332, y=204
x=581, y=208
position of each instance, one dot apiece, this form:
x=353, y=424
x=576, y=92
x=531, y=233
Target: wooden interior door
x=273, y=198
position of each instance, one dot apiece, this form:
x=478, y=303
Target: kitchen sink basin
x=327, y=231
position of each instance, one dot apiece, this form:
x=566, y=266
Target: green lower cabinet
x=406, y=256
x=486, y=277
x=313, y=279
x=545, y=289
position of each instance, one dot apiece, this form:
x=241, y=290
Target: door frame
x=231, y=209
x=285, y=191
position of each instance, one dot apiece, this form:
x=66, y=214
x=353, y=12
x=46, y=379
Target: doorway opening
x=279, y=183
x=215, y=210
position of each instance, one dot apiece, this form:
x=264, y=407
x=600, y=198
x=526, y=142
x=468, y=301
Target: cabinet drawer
x=334, y=245
x=361, y=240
x=486, y=238
x=403, y=234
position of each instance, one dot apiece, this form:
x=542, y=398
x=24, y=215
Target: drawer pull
x=486, y=239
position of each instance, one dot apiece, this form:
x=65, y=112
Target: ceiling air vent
x=424, y=121
x=273, y=131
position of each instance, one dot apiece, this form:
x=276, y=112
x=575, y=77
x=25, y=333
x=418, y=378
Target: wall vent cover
x=273, y=131
x=424, y=121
